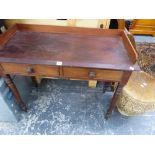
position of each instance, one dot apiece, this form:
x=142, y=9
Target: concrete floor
x=70, y=107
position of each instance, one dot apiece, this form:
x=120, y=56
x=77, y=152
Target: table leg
x=107, y=86
x=117, y=92
x=36, y=80
x=15, y=92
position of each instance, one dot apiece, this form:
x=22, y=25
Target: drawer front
x=96, y=74
x=30, y=70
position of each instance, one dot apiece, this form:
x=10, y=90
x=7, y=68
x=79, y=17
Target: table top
x=105, y=49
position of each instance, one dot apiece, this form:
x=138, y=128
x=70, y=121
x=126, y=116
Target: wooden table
x=68, y=53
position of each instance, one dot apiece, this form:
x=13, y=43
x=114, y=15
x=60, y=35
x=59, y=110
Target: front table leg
x=15, y=92
x=118, y=90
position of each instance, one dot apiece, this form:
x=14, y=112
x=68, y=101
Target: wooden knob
x=30, y=69
x=92, y=75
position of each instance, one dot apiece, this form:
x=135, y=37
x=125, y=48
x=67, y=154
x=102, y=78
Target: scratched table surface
x=72, y=49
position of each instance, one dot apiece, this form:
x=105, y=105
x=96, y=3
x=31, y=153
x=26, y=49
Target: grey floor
x=140, y=38
x=70, y=107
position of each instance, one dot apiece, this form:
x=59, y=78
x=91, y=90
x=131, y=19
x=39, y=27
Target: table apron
x=48, y=71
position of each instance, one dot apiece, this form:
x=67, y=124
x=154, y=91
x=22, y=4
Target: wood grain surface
x=106, y=51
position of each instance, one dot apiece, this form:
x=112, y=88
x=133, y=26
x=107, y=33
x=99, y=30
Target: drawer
x=30, y=70
x=88, y=73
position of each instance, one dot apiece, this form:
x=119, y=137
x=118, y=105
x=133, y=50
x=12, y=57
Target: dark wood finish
x=7, y=35
x=121, y=25
x=130, y=47
x=124, y=80
x=67, y=30
x=67, y=52
x=91, y=73
x=15, y=92
x=96, y=48
x=132, y=39
x=30, y=69
x=13, y=88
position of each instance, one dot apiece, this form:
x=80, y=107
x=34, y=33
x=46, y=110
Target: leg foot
x=113, y=101
x=23, y=106
x=107, y=116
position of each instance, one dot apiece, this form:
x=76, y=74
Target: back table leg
x=118, y=90
x=15, y=92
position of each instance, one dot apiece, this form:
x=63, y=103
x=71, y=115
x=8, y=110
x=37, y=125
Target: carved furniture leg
x=117, y=92
x=15, y=92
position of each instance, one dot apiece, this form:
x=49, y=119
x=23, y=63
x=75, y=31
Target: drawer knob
x=92, y=75
x=30, y=69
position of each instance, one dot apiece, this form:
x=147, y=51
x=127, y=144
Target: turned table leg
x=36, y=80
x=117, y=92
x=15, y=92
